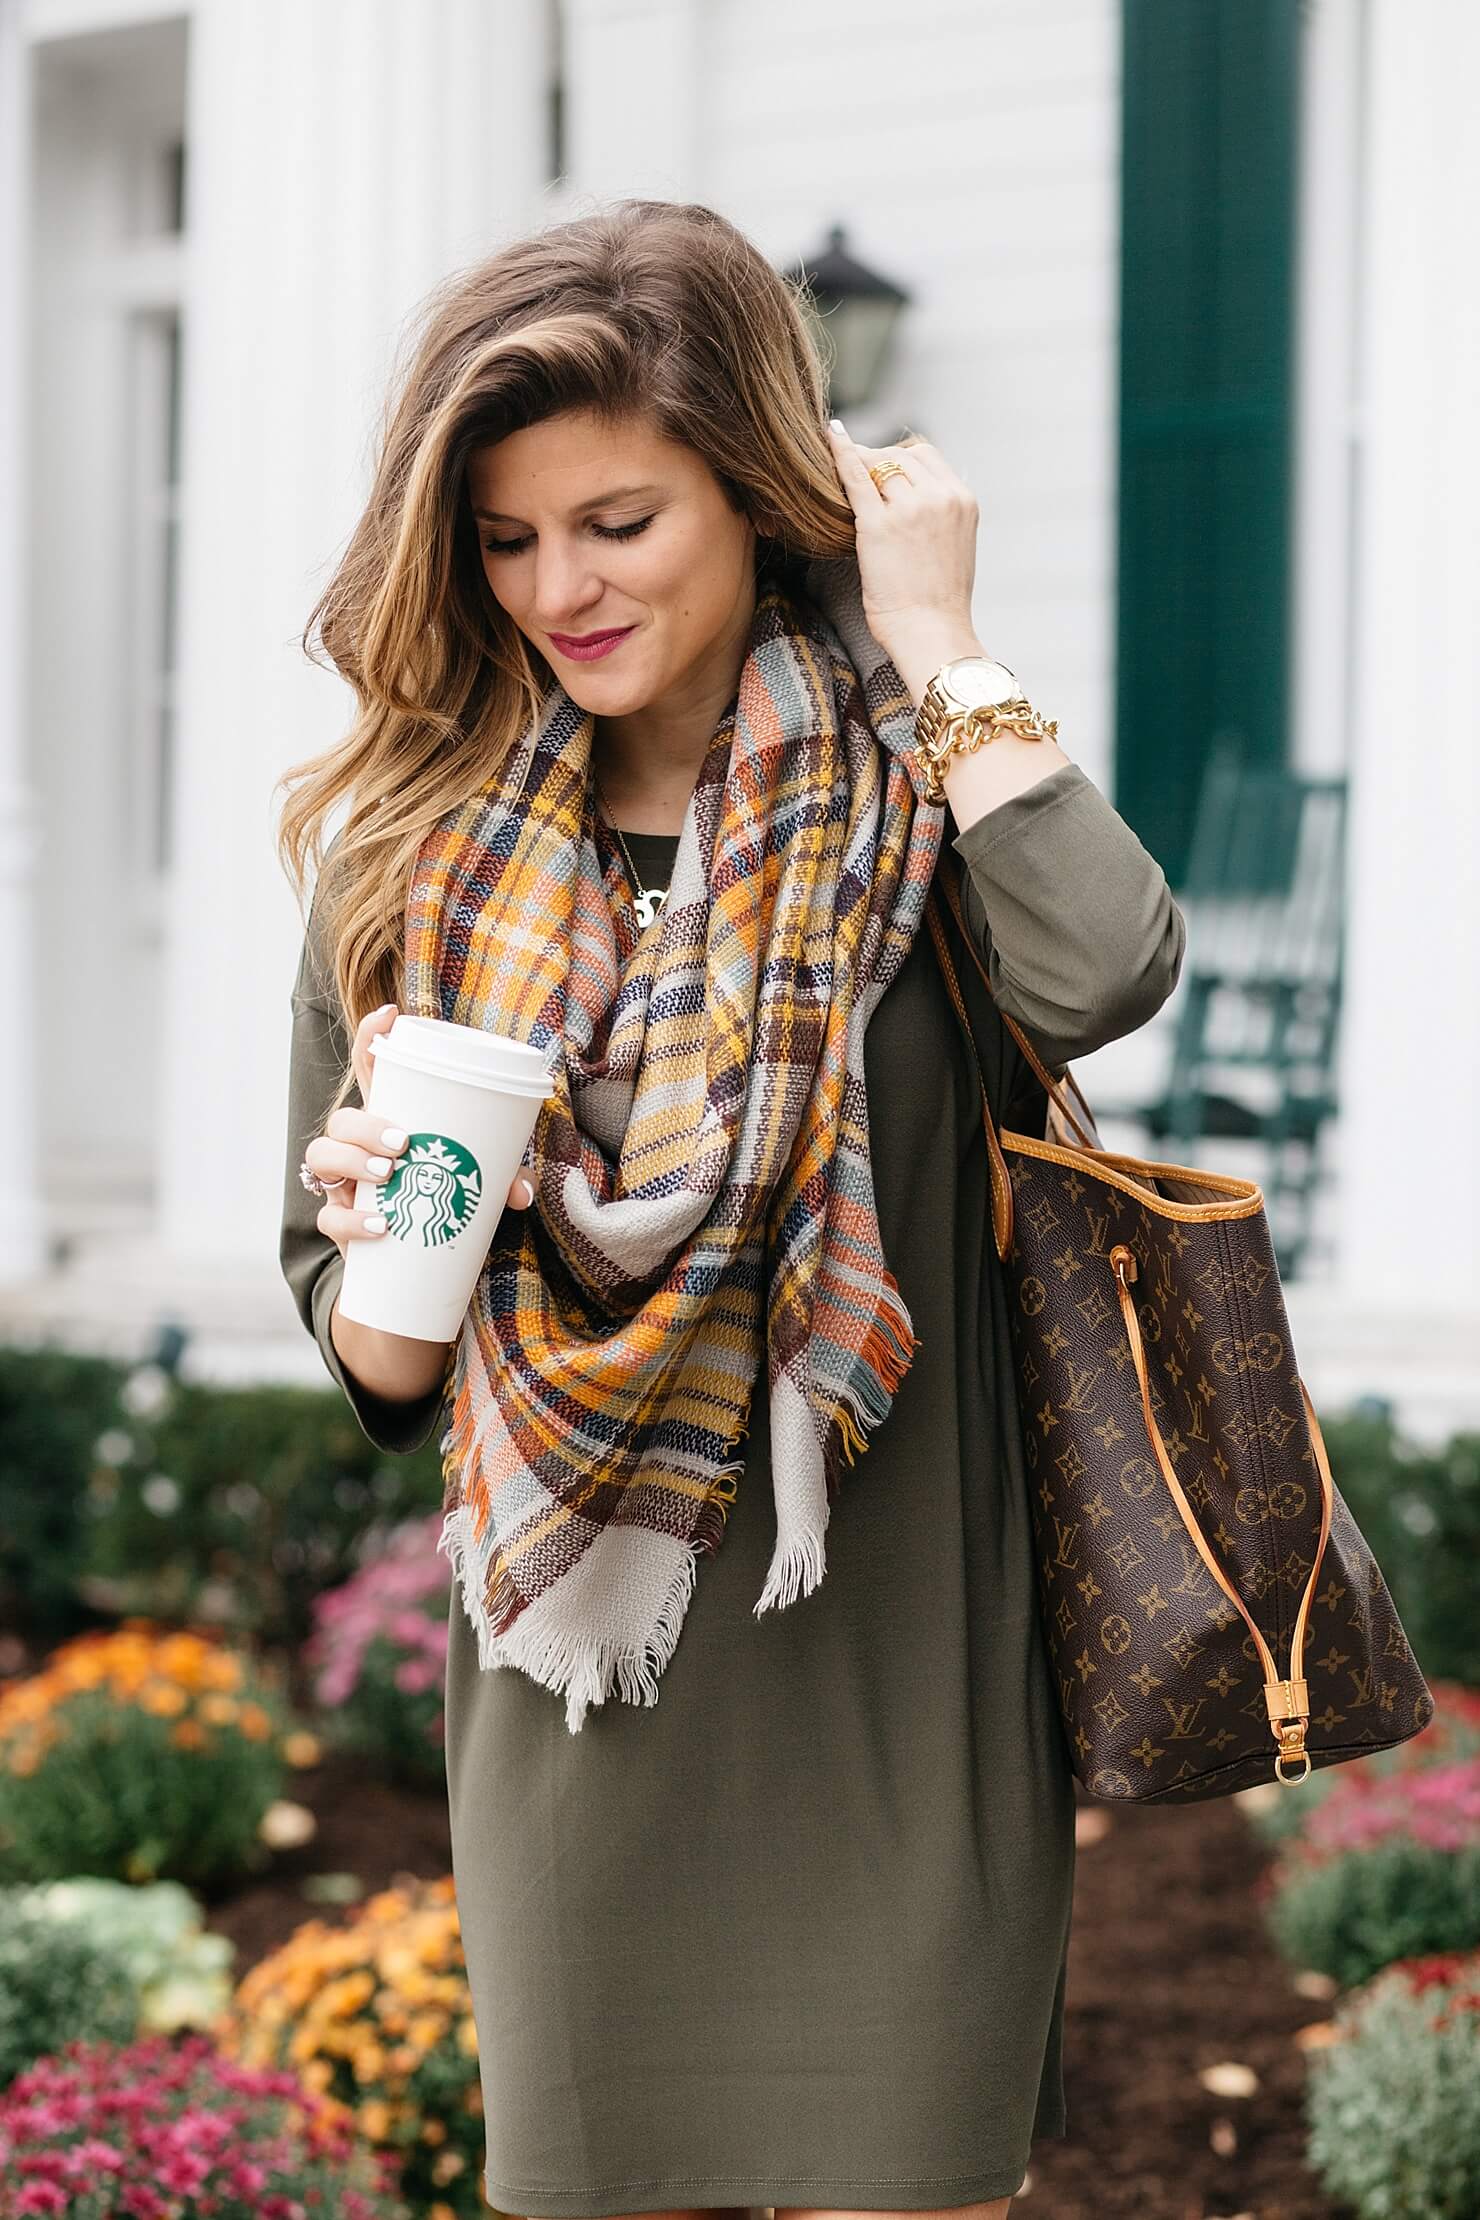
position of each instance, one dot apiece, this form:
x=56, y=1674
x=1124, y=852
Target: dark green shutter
x=1208, y=179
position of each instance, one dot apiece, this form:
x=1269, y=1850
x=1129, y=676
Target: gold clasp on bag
x=1288, y=1705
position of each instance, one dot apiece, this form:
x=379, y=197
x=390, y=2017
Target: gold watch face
x=976, y=682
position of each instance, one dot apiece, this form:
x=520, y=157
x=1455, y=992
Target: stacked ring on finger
x=880, y=471
x=317, y=1186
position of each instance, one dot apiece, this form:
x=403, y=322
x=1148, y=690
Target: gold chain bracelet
x=972, y=729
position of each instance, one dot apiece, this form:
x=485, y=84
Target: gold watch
x=967, y=703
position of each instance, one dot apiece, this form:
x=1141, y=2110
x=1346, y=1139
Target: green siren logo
x=432, y=1193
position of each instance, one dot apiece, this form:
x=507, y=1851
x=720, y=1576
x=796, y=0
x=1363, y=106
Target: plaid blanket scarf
x=703, y=1186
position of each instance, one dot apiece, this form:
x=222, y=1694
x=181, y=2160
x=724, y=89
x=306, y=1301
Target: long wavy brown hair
x=655, y=308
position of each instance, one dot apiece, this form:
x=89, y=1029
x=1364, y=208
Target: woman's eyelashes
x=603, y=531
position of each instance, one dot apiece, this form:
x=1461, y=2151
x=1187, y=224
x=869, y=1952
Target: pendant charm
x=648, y=901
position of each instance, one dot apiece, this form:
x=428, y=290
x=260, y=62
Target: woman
x=773, y=1911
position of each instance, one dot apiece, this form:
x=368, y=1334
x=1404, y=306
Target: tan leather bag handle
x=1053, y=1087
x=1286, y=1696
x=1001, y=1182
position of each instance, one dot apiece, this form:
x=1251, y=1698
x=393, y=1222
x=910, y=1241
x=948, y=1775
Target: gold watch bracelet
x=962, y=732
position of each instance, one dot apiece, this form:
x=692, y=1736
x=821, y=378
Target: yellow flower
x=254, y=1723
x=427, y=2030
x=347, y=1994
x=218, y=1708
x=163, y=1699
x=302, y=1748
x=386, y=1904
x=446, y=2166
x=374, y=2117
x=190, y=1735
x=467, y=2036
x=395, y=1962
x=183, y=1657
x=434, y=2131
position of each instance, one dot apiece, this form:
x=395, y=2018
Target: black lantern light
x=855, y=311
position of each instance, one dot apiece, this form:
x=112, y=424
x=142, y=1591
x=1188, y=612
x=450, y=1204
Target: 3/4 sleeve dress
x=797, y=1933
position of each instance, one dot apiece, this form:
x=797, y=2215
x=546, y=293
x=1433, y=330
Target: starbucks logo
x=432, y=1193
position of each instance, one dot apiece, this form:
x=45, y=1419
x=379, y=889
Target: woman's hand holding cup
x=357, y=1144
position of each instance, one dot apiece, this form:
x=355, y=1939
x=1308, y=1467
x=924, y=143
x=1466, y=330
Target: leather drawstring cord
x=1287, y=1701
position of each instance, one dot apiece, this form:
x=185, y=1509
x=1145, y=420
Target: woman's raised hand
x=915, y=540
x=357, y=1144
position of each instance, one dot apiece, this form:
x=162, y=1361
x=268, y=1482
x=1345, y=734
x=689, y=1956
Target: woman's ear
x=769, y=549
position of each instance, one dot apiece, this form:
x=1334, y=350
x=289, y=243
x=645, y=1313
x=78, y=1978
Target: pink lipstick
x=593, y=645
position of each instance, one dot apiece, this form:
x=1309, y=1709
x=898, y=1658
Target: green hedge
x=126, y=1489
x=53, y=1408
x=1420, y=1511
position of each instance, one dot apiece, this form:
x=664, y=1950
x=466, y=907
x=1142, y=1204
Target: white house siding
x=1405, y=1308
x=972, y=152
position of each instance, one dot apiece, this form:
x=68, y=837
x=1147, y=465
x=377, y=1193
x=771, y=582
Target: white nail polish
x=377, y=1166
x=393, y=1138
x=375, y=1223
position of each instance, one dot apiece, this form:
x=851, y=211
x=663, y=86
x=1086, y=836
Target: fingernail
x=375, y=1223
x=526, y=1188
x=393, y=1138
x=377, y=1166
x=385, y=1008
x=838, y=425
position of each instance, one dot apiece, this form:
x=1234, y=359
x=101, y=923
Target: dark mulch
x=1170, y=1971
x=366, y=1828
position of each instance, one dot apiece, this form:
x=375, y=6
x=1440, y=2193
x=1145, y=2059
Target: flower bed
x=1386, y=1867
x=180, y=1974
x=161, y=2130
x=378, y=1655
x=57, y=1983
x=1394, y=2102
x=1277, y=1813
x=137, y=1754
x=376, y=2013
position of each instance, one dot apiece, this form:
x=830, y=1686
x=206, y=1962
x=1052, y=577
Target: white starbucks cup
x=468, y=1102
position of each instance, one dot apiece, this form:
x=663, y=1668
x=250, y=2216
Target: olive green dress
x=796, y=1934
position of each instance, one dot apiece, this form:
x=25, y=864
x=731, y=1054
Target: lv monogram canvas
x=1213, y=1615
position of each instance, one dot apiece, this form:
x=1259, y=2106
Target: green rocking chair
x=1254, y=1050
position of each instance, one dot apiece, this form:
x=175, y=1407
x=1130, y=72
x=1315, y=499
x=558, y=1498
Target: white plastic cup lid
x=465, y=1052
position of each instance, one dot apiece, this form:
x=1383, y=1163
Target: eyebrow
x=618, y=493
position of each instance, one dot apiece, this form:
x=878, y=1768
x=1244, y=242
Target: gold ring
x=880, y=471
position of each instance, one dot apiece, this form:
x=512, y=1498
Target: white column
x=635, y=84
x=22, y=1234
x=1410, y=1077
x=1328, y=431
x=343, y=158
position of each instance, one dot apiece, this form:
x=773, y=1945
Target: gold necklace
x=647, y=901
